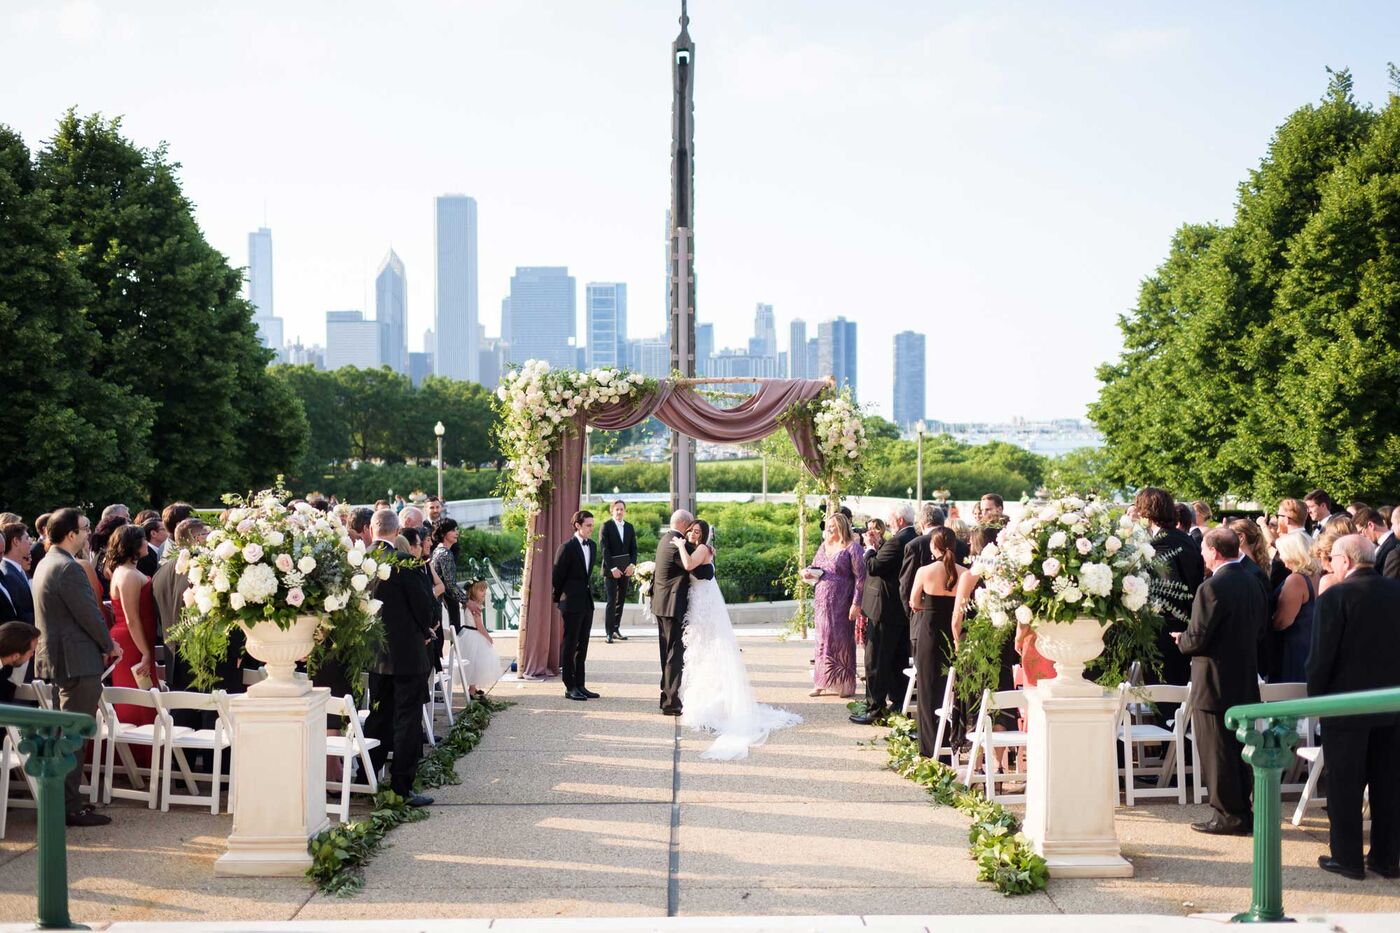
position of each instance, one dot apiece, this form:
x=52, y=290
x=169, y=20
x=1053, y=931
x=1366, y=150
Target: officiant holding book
x=619, y=565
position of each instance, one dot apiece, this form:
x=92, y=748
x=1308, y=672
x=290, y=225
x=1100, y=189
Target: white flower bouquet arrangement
x=267, y=562
x=643, y=575
x=840, y=434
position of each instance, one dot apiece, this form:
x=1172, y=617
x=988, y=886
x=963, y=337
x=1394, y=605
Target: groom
x=670, y=589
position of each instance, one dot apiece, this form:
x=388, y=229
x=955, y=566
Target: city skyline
x=822, y=160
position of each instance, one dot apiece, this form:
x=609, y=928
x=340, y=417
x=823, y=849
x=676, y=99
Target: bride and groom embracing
x=703, y=678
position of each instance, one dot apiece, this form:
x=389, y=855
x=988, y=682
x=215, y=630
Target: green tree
x=68, y=437
x=1011, y=458
x=1084, y=469
x=328, y=440
x=375, y=403
x=464, y=408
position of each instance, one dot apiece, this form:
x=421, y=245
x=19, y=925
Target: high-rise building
x=797, y=349
x=836, y=351
x=650, y=356
x=908, y=379
x=543, y=310
x=420, y=367
x=298, y=354
x=494, y=353
x=704, y=349
x=353, y=341
x=765, y=332
x=455, y=312
x=606, y=314
x=391, y=310
x=260, y=291
x=814, y=358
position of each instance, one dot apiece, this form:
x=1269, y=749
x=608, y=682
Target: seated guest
x=1294, y=601
x=17, y=643
x=1356, y=648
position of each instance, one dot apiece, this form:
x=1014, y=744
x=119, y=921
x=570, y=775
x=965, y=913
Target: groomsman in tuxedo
x=619, y=564
x=1355, y=647
x=917, y=552
x=887, y=622
x=1228, y=618
x=12, y=570
x=573, y=570
x=399, y=679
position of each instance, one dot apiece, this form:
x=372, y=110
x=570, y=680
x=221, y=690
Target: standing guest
x=574, y=564
x=619, y=564
x=435, y=511
x=1186, y=522
x=1291, y=516
x=1294, y=601
x=381, y=504
x=1254, y=551
x=838, y=568
x=410, y=516
x=932, y=600
x=1371, y=525
x=1228, y=616
x=174, y=514
x=156, y=538
x=134, y=633
x=97, y=545
x=409, y=519
x=359, y=525
x=1355, y=648
x=399, y=678
x=444, y=564
x=993, y=510
x=1203, y=519
x=917, y=555
x=1184, y=566
x=36, y=551
x=318, y=502
x=887, y=619
x=1322, y=550
x=965, y=609
x=1388, y=555
x=75, y=647
x=1355, y=506
x=1321, y=509
x=13, y=565
x=168, y=588
x=399, y=504
x=17, y=644
x=11, y=518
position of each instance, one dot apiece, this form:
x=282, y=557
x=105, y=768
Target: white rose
x=1096, y=579
x=306, y=564
x=359, y=581
x=1024, y=615
x=188, y=597
x=369, y=565
x=1050, y=567
x=182, y=561
x=1148, y=551
x=205, y=600
x=236, y=601
x=1134, y=593
x=275, y=538
x=384, y=571
x=196, y=573
x=1084, y=545
x=356, y=557
x=1113, y=545
x=1071, y=594
x=225, y=550
x=295, y=596
x=374, y=605
x=1000, y=619
x=1057, y=540
x=284, y=562
x=221, y=582
x=346, y=541
x=1031, y=583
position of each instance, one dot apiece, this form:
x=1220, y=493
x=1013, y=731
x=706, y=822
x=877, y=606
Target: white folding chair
x=945, y=721
x=350, y=745
x=122, y=736
x=912, y=673
x=42, y=694
x=11, y=759
x=1273, y=693
x=1132, y=735
x=180, y=739
x=445, y=680
x=463, y=667
x=986, y=740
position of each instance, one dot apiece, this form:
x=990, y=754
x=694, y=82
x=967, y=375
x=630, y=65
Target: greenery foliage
x=1002, y=852
x=1260, y=359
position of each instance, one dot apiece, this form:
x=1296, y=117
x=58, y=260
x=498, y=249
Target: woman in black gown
x=931, y=599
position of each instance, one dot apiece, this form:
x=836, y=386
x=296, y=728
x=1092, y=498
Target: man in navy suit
x=573, y=569
x=13, y=567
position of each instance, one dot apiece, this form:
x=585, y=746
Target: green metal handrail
x=51, y=739
x=1269, y=731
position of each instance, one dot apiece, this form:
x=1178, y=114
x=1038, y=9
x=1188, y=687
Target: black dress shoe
x=610, y=639
x=1385, y=871
x=420, y=800
x=867, y=719
x=575, y=695
x=589, y=693
x=87, y=816
x=1215, y=826
x=1328, y=863
x=670, y=711
x=620, y=637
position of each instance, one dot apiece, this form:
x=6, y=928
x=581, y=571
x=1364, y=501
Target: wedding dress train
x=716, y=695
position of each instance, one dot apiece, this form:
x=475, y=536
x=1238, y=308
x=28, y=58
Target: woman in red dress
x=135, y=630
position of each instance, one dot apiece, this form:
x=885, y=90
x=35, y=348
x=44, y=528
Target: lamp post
x=439, y=430
x=588, y=463
x=919, y=429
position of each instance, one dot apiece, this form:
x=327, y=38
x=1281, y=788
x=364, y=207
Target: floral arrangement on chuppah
x=840, y=432
x=268, y=564
x=535, y=405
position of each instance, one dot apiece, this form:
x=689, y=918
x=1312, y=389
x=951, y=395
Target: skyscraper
x=704, y=349
x=765, y=332
x=543, y=309
x=797, y=349
x=606, y=313
x=836, y=351
x=260, y=289
x=353, y=341
x=455, y=312
x=908, y=378
x=391, y=310
x=505, y=319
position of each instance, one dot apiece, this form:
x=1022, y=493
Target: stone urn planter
x=280, y=649
x=1071, y=645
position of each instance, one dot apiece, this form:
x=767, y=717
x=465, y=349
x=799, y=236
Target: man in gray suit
x=74, y=645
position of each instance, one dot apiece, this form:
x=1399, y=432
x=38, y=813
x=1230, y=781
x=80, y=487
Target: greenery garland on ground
x=1002, y=852
x=339, y=854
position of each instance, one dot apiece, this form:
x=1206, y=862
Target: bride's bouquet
x=643, y=574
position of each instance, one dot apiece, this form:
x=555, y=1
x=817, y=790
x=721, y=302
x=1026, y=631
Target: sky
x=998, y=176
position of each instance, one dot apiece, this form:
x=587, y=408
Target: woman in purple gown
x=836, y=603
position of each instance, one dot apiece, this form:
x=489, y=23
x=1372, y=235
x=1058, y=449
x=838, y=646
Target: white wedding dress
x=715, y=692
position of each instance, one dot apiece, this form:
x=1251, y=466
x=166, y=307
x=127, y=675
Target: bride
x=715, y=692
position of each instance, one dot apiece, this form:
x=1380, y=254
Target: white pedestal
x=279, y=783
x=1072, y=784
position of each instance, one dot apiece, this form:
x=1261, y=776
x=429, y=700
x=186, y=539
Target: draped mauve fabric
x=679, y=408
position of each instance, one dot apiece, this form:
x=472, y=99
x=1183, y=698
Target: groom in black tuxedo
x=573, y=571
x=670, y=591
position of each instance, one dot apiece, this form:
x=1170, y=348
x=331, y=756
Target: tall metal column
x=682, y=298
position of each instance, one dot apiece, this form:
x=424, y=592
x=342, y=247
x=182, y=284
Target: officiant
x=619, y=565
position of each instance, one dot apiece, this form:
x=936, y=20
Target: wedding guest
x=171, y=517
x=101, y=535
x=134, y=633
x=359, y=525
x=1388, y=554
x=444, y=563
x=1290, y=516
x=1254, y=552
x=959, y=528
x=931, y=601
x=36, y=550
x=1203, y=519
x=75, y=646
x=1228, y=616
x=964, y=613
x=317, y=502
x=381, y=504
x=917, y=554
x=13, y=578
x=1371, y=525
x=993, y=510
x=886, y=618
x=11, y=518
x=400, y=503
x=1186, y=521
x=168, y=588
x=399, y=678
x=1354, y=506
x=836, y=603
x=1321, y=509
x=619, y=541
x=17, y=643
x=156, y=537
x=478, y=646
x=434, y=510
x=1294, y=601
x=1355, y=648
x=1184, y=566
x=1322, y=550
